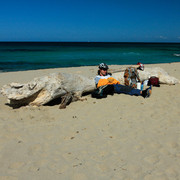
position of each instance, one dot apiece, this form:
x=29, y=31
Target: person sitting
x=131, y=77
x=106, y=84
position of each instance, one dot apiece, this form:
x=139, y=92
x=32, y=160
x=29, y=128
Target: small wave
x=24, y=50
x=178, y=55
x=130, y=53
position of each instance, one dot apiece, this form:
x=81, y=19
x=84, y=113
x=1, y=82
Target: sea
x=23, y=56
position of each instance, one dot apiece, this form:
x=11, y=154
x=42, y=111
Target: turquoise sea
x=21, y=56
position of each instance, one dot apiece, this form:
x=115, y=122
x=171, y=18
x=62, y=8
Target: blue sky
x=90, y=20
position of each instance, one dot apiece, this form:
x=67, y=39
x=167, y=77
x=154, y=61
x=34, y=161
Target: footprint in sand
x=58, y=168
x=79, y=176
x=173, y=145
x=155, y=177
x=34, y=149
x=171, y=173
x=16, y=165
x=152, y=159
x=138, y=148
x=155, y=145
x=8, y=178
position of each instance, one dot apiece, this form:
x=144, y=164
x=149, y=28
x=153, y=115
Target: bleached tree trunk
x=164, y=77
x=42, y=90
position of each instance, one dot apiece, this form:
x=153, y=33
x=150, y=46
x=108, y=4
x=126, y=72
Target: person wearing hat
x=104, y=80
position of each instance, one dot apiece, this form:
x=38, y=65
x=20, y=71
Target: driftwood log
x=68, y=87
x=164, y=77
x=42, y=90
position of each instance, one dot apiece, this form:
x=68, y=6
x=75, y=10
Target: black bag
x=154, y=81
x=103, y=91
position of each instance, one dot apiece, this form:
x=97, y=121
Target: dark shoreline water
x=22, y=56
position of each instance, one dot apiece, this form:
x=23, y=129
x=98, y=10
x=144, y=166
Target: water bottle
x=139, y=85
x=142, y=86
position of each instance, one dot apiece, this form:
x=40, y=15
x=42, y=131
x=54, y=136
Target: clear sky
x=90, y=20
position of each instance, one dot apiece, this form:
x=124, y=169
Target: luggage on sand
x=154, y=81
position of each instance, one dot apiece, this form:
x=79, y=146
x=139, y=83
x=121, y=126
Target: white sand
x=119, y=137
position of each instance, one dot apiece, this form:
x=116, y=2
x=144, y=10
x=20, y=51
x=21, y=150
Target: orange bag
x=108, y=81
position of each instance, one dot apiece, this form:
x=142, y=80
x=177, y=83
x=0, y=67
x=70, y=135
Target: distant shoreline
x=89, y=42
x=44, y=69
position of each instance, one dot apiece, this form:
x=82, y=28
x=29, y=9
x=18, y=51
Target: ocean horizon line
x=123, y=42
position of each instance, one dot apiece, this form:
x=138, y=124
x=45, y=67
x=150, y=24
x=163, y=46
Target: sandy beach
x=119, y=137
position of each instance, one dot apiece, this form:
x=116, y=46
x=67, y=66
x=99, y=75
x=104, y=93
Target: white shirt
x=97, y=78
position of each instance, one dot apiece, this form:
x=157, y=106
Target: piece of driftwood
x=69, y=87
x=164, y=77
x=42, y=90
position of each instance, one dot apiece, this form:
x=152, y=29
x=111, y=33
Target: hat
x=103, y=66
x=141, y=66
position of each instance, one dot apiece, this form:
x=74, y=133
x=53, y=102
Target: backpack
x=103, y=91
x=154, y=81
